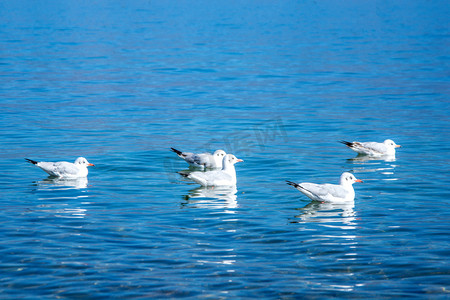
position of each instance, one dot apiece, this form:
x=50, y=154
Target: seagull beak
x=92, y=165
x=239, y=160
x=397, y=146
x=358, y=180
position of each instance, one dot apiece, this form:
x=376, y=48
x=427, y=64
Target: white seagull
x=202, y=160
x=64, y=169
x=373, y=148
x=224, y=177
x=336, y=193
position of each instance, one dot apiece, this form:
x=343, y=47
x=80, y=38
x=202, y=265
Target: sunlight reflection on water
x=213, y=198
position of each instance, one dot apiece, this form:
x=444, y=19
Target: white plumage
x=202, y=160
x=342, y=192
x=224, y=177
x=64, y=169
x=387, y=148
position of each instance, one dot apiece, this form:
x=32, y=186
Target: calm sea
x=278, y=84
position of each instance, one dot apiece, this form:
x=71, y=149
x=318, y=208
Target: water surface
x=277, y=85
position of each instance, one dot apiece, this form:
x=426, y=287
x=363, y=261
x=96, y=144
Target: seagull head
x=82, y=162
x=231, y=159
x=219, y=153
x=348, y=179
x=391, y=144
x=218, y=156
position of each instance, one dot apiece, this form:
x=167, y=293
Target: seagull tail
x=179, y=153
x=31, y=161
x=184, y=174
x=348, y=144
x=292, y=183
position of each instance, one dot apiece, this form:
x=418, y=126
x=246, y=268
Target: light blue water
x=277, y=84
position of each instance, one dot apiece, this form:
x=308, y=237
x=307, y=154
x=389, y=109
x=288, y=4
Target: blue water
x=277, y=84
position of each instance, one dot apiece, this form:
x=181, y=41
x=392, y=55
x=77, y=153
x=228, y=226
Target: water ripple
x=277, y=84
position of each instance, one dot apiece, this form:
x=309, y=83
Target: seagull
x=203, y=160
x=224, y=177
x=64, y=169
x=373, y=148
x=336, y=193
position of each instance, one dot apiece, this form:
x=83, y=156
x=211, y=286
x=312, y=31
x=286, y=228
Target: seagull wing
x=367, y=148
x=204, y=159
x=374, y=148
x=325, y=192
x=61, y=168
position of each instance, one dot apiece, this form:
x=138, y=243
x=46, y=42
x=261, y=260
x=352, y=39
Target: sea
x=276, y=83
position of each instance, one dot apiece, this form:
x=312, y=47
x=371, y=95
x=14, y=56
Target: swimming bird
x=224, y=177
x=337, y=193
x=373, y=148
x=203, y=160
x=64, y=169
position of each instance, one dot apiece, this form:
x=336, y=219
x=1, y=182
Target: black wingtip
x=292, y=183
x=184, y=174
x=176, y=151
x=346, y=143
x=31, y=161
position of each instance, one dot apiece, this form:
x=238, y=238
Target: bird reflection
x=382, y=164
x=332, y=230
x=212, y=197
x=326, y=212
x=56, y=196
x=63, y=183
x=366, y=158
